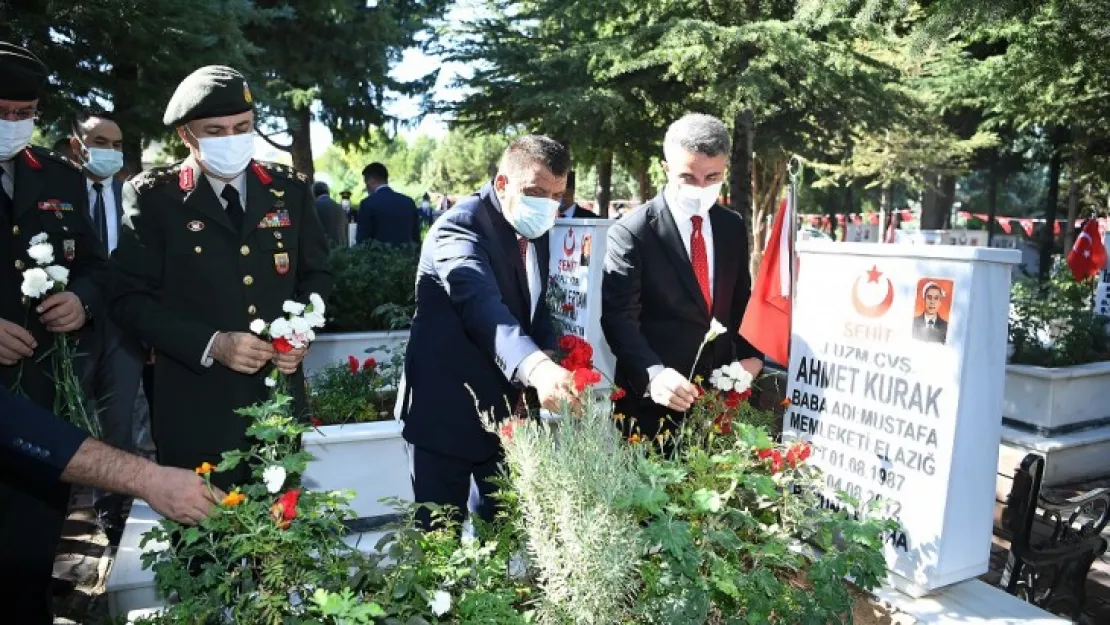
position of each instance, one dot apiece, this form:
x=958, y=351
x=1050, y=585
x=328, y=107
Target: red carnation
x=284, y=509
x=352, y=364
x=507, y=429
x=775, y=456
x=369, y=365
x=567, y=342
x=797, y=453
x=618, y=394
x=584, y=378
x=282, y=346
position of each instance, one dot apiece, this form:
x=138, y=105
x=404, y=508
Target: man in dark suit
x=568, y=208
x=671, y=267
x=386, y=215
x=37, y=448
x=332, y=217
x=930, y=327
x=115, y=359
x=481, y=326
x=41, y=193
x=209, y=245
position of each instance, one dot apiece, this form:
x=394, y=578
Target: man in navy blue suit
x=386, y=215
x=482, y=325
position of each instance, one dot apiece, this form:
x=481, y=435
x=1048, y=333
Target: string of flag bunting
x=1005, y=223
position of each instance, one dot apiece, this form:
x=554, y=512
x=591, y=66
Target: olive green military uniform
x=183, y=273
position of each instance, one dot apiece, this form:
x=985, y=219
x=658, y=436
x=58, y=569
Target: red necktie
x=700, y=260
x=522, y=243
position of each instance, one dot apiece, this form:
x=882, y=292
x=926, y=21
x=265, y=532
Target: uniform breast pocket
x=195, y=260
x=280, y=249
x=65, y=232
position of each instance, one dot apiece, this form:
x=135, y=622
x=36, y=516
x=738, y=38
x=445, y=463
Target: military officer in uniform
x=209, y=245
x=40, y=192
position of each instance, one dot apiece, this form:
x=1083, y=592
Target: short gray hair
x=697, y=133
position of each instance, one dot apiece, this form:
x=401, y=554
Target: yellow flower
x=635, y=438
x=204, y=468
x=698, y=379
x=618, y=417
x=234, y=498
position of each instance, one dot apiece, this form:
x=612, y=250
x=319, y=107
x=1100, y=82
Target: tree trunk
x=741, y=171
x=300, y=131
x=946, y=198
x=769, y=178
x=992, y=200
x=1073, y=204
x=644, y=189
x=604, y=183
x=1048, y=235
x=124, y=107
x=931, y=219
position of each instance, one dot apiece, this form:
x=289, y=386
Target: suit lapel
x=667, y=231
x=724, y=271
x=259, y=202
x=28, y=187
x=203, y=200
x=543, y=245
x=507, y=238
x=117, y=195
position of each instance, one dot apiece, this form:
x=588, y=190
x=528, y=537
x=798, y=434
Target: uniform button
x=15, y=230
x=281, y=245
x=248, y=280
x=19, y=265
x=277, y=235
x=198, y=249
x=251, y=310
x=58, y=214
x=244, y=250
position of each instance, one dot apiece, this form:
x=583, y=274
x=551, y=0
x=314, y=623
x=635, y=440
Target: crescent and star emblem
x=568, y=248
x=874, y=310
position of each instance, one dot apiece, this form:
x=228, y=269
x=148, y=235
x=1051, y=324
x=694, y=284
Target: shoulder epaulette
x=156, y=176
x=284, y=171
x=47, y=154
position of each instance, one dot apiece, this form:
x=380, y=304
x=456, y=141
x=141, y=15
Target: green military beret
x=212, y=91
x=22, y=75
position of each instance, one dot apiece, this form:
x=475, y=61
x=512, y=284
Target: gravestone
x=896, y=377
x=574, y=293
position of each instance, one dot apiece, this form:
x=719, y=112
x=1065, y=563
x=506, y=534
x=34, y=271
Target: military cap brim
x=211, y=91
x=22, y=74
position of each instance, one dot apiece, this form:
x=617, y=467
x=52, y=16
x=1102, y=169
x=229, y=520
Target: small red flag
x=766, y=323
x=1088, y=256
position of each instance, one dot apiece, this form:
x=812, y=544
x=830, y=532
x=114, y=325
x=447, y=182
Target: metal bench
x=1053, y=542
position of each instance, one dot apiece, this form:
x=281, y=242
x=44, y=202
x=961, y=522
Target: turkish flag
x=1088, y=256
x=766, y=323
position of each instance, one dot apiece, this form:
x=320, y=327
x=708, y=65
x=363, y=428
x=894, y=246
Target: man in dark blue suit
x=482, y=325
x=386, y=215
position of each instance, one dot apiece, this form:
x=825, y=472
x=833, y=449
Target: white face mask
x=693, y=199
x=14, y=136
x=228, y=156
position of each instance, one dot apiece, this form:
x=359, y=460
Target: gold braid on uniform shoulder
x=54, y=156
x=156, y=176
x=284, y=170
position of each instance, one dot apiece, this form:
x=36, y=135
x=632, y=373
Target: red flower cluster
x=723, y=422
x=775, y=456
x=577, y=353
x=568, y=308
x=618, y=394
x=282, y=346
x=797, y=454
x=509, y=427
x=284, y=509
x=584, y=378
x=353, y=365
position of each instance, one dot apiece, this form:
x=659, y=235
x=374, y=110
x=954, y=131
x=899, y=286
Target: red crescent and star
x=877, y=310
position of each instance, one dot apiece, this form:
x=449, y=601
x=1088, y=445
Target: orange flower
x=234, y=498
x=204, y=468
x=635, y=438
x=786, y=402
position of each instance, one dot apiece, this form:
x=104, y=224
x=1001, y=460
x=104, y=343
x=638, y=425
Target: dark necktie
x=700, y=260
x=522, y=243
x=234, y=207
x=100, y=219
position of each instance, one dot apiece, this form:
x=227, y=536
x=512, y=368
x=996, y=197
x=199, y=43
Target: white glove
x=671, y=389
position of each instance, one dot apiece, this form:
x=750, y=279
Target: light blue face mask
x=103, y=163
x=534, y=216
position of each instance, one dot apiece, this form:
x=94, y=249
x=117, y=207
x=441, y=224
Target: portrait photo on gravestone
x=932, y=310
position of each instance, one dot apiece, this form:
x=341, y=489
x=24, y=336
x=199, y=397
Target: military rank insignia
x=275, y=219
x=69, y=249
x=55, y=206
x=281, y=263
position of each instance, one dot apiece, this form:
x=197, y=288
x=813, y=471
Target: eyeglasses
x=18, y=115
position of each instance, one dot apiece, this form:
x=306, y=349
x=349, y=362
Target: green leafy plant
x=1053, y=323
x=374, y=287
x=356, y=391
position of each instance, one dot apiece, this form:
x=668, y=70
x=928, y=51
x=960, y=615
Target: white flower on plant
x=281, y=328
x=293, y=308
x=41, y=237
x=36, y=283
x=440, y=603
x=58, y=274
x=716, y=328
x=41, y=253
x=274, y=476
x=270, y=382
x=258, y=327
x=317, y=303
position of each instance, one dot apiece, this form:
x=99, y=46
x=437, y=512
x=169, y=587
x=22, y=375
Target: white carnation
x=281, y=328
x=274, y=476
x=41, y=237
x=36, y=283
x=58, y=274
x=270, y=382
x=317, y=304
x=315, y=319
x=258, y=327
x=299, y=325
x=440, y=603
x=735, y=370
x=293, y=308
x=41, y=253
x=716, y=328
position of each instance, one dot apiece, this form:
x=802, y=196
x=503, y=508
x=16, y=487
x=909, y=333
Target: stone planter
x=1056, y=400
x=329, y=349
x=368, y=458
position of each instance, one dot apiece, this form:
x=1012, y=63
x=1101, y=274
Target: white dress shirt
x=930, y=320
x=110, y=215
x=9, y=177
x=239, y=183
x=686, y=228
